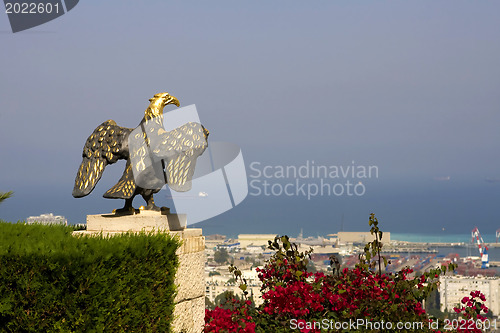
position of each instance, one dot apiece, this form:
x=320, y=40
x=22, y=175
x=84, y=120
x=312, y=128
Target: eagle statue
x=154, y=156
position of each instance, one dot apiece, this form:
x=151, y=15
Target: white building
x=453, y=288
x=47, y=219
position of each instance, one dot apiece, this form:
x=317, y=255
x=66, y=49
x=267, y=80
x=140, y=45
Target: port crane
x=483, y=249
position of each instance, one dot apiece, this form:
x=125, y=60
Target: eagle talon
x=153, y=208
x=126, y=211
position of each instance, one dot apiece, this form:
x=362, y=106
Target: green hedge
x=51, y=281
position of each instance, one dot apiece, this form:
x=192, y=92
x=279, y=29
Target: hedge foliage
x=51, y=281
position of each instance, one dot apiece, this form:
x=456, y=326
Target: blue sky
x=411, y=87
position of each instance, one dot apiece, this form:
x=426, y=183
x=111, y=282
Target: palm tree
x=5, y=195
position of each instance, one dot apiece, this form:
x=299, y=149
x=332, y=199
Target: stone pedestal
x=144, y=221
x=189, y=313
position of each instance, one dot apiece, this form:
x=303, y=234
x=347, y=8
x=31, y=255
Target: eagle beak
x=172, y=100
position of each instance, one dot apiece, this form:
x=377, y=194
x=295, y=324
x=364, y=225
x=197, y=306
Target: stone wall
x=190, y=301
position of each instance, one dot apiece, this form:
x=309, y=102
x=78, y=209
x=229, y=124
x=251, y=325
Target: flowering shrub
x=471, y=310
x=310, y=302
x=233, y=318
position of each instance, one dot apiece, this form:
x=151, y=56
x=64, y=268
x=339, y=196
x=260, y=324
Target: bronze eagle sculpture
x=154, y=156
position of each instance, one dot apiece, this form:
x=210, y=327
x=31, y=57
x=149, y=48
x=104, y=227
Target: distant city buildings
x=247, y=240
x=218, y=284
x=453, y=288
x=47, y=219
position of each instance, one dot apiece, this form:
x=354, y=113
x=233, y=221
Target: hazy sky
x=411, y=87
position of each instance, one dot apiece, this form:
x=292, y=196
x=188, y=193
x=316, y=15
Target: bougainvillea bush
x=362, y=299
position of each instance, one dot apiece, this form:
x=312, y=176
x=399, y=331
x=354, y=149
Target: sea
x=425, y=211
x=469, y=248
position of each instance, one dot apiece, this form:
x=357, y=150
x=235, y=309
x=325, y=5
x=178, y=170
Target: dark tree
x=221, y=256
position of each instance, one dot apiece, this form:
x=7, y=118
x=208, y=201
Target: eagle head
x=157, y=103
x=164, y=99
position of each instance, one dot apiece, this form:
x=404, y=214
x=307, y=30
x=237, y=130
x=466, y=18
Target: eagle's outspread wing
x=104, y=146
x=180, y=148
x=159, y=157
x=125, y=187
